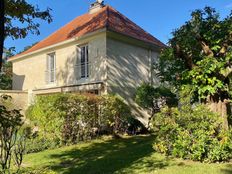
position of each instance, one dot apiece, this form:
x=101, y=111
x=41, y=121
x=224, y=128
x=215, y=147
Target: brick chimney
x=96, y=6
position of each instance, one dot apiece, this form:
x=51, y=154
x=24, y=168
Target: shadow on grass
x=227, y=170
x=108, y=156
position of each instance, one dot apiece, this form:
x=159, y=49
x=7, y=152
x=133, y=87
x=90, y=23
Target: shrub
x=115, y=113
x=69, y=118
x=149, y=97
x=46, y=117
x=11, y=142
x=194, y=134
x=37, y=144
x=78, y=113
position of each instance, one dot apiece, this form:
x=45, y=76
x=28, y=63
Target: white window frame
x=84, y=62
x=51, y=71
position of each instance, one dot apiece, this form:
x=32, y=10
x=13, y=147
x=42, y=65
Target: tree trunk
x=220, y=107
x=2, y=30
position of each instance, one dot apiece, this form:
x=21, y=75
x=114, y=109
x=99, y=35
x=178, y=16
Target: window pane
x=82, y=62
x=82, y=55
x=83, y=71
x=52, y=62
x=87, y=54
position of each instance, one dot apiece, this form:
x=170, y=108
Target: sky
x=158, y=17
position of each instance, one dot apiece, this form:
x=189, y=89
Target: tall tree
x=200, y=55
x=2, y=29
x=22, y=12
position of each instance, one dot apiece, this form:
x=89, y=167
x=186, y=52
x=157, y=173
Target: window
x=84, y=61
x=50, y=73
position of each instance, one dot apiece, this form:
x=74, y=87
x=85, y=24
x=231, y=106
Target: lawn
x=107, y=155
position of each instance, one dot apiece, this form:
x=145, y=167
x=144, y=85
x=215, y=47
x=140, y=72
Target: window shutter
x=50, y=72
x=77, y=71
x=47, y=70
x=78, y=56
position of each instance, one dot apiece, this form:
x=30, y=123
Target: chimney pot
x=96, y=6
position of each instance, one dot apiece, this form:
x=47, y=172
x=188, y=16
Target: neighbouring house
x=100, y=52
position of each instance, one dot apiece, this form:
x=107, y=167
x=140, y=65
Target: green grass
x=128, y=155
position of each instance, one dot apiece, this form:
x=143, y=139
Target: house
x=99, y=52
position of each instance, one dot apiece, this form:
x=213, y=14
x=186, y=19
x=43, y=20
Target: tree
x=200, y=55
x=23, y=12
x=11, y=121
x=2, y=30
x=6, y=72
x=6, y=76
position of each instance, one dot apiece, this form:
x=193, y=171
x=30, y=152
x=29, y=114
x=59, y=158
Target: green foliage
x=132, y=155
x=6, y=76
x=26, y=15
x=154, y=98
x=115, y=112
x=200, y=54
x=46, y=116
x=6, y=73
x=70, y=118
x=39, y=143
x=170, y=68
x=202, y=80
x=145, y=95
x=10, y=124
x=192, y=133
x=14, y=12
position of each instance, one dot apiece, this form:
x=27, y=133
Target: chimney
x=96, y=6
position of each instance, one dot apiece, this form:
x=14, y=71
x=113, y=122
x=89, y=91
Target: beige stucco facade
x=29, y=73
x=129, y=65
x=118, y=65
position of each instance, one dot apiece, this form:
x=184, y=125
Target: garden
x=189, y=126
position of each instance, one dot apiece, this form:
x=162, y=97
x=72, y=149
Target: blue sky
x=158, y=17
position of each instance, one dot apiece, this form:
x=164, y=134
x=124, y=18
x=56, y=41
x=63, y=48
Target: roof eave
x=135, y=41
x=112, y=33
x=16, y=58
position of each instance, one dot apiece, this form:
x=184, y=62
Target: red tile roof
x=107, y=18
